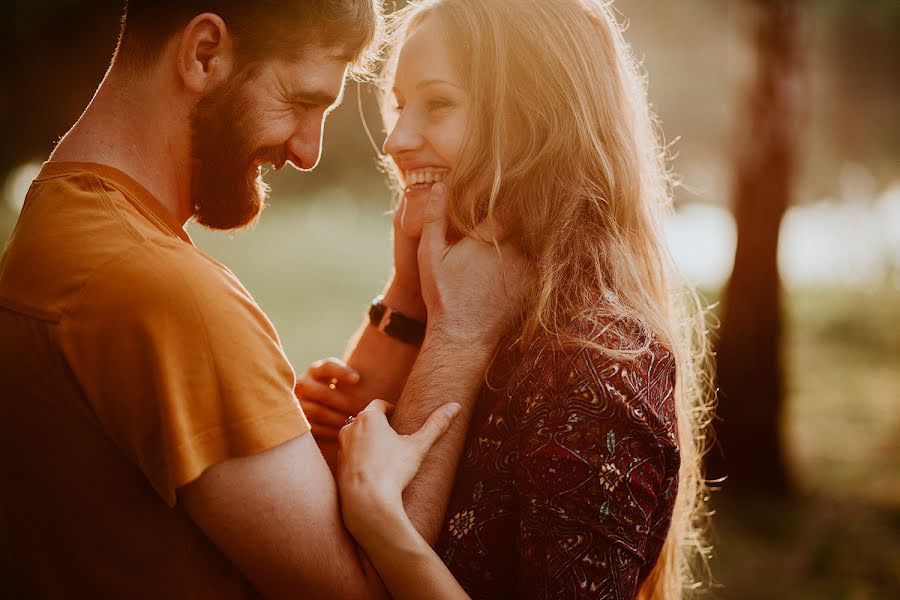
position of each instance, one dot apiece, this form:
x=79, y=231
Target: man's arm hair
x=446, y=371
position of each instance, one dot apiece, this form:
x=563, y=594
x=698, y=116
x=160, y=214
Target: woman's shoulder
x=611, y=366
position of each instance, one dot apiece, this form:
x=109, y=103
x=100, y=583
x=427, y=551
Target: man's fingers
x=308, y=389
x=436, y=425
x=321, y=433
x=333, y=368
x=323, y=415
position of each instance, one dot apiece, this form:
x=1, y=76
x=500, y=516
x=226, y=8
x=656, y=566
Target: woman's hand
x=405, y=293
x=325, y=394
x=375, y=464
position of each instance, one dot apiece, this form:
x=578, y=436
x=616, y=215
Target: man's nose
x=305, y=145
x=405, y=136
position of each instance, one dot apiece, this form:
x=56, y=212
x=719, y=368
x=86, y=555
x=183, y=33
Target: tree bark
x=750, y=450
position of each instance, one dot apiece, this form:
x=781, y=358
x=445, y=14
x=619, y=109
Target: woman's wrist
x=406, y=299
x=381, y=524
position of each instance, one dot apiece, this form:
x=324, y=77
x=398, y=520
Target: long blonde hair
x=564, y=150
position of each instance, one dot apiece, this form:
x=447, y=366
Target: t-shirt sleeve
x=594, y=475
x=179, y=364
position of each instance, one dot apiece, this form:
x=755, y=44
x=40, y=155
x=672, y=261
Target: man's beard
x=227, y=190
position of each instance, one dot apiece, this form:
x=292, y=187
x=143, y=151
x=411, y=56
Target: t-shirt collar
x=136, y=192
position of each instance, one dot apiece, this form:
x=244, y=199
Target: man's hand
x=328, y=394
x=471, y=288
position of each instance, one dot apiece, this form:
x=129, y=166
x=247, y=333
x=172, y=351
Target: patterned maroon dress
x=568, y=482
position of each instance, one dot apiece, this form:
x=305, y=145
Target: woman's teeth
x=421, y=178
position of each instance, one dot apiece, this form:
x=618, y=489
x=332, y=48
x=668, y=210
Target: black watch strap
x=395, y=324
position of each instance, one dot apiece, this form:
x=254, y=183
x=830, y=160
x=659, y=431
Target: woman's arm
x=375, y=465
x=596, y=474
x=408, y=566
x=377, y=365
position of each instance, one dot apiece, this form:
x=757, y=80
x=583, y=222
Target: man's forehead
x=322, y=74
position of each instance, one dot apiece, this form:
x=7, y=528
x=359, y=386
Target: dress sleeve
x=180, y=366
x=597, y=472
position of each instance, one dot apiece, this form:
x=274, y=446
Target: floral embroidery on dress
x=461, y=523
x=568, y=482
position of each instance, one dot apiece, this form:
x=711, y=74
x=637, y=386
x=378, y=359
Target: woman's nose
x=404, y=137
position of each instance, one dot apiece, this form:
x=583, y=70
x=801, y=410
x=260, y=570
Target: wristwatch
x=395, y=324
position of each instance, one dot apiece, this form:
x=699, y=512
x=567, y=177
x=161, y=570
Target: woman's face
x=431, y=114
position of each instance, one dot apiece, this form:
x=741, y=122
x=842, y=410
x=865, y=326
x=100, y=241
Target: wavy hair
x=564, y=150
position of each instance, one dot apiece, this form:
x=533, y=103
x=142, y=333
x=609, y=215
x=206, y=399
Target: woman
x=581, y=476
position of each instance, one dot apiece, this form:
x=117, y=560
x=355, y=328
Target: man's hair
x=261, y=29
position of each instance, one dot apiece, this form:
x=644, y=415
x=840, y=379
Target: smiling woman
x=581, y=477
x=426, y=111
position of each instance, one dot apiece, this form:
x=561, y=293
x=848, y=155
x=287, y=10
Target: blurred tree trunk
x=748, y=428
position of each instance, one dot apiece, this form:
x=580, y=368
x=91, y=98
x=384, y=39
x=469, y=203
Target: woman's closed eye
x=439, y=105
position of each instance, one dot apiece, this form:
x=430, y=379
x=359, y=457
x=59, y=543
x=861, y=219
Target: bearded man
x=151, y=444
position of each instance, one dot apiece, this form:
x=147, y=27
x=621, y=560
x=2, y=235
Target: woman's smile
x=423, y=178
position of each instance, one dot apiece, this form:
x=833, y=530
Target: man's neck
x=131, y=126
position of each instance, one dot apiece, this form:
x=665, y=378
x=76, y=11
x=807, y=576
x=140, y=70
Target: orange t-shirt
x=129, y=362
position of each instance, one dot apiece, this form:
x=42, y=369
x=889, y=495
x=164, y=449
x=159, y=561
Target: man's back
x=131, y=362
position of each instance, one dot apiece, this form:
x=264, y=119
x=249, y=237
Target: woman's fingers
x=434, y=223
x=435, y=426
x=333, y=369
x=412, y=216
x=378, y=405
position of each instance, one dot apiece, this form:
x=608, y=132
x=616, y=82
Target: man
x=151, y=444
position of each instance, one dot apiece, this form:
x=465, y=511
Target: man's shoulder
x=161, y=276
x=73, y=228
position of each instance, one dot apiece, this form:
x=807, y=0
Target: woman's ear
x=205, y=56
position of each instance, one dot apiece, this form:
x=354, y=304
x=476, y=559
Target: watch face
x=396, y=325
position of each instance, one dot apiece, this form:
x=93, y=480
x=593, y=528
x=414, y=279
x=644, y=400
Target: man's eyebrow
x=317, y=97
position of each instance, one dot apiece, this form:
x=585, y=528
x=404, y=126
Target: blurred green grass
x=314, y=266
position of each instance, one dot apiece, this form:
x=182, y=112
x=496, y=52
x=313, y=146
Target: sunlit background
x=321, y=250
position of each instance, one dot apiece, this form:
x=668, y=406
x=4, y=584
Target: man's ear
x=205, y=53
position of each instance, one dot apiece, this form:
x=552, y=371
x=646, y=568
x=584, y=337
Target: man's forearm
x=446, y=371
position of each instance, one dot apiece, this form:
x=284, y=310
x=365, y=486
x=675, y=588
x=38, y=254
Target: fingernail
x=354, y=377
x=453, y=408
x=438, y=188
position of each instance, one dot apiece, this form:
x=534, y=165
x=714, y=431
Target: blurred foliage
x=816, y=548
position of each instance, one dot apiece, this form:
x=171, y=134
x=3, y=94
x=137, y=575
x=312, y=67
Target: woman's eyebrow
x=427, y=82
